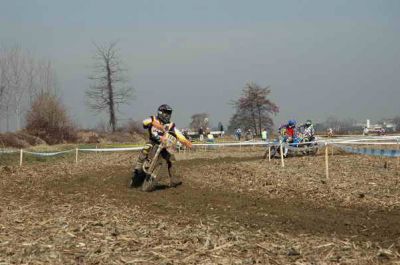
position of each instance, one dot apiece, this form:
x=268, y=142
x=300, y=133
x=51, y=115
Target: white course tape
x=110, y=149
x=8, y=151
x=354, y=140
x=234, y=144
x=368, y=143
x=365, y=139
x=48, y=153
x=371, y=152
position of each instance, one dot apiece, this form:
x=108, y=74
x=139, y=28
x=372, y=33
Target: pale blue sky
x=320, y=57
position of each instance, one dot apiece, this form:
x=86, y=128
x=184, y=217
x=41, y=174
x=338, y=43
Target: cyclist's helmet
x=292, y=123
x=164, y=113
x=308, y=123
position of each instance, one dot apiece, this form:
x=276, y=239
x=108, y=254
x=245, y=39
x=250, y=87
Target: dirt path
x=296, y=215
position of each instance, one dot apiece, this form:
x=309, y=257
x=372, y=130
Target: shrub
x=133, y=127
x=48, y=120
x=19, y=140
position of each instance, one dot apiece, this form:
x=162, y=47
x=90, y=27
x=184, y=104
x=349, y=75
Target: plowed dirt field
x=234, y=207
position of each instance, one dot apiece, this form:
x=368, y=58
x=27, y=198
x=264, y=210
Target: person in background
x=264, y=135
x=309, y=131
x=249, y=135
x=290, y=130
x=238, y=133
x=201, y=134
x=365, y=131
x=330, y=132
x=289, y=134
x=210, y=138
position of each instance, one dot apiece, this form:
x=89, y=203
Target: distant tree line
x=22, y=79
x=28, y=97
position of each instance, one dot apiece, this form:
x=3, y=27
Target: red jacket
x=290, y=132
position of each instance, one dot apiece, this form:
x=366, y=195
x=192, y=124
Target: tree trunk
x=259, y=120
x=18, y=116
x=253, y=116
x=7, y=118
x=111, y=99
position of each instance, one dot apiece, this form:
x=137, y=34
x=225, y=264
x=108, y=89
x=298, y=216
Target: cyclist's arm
x=181, y=138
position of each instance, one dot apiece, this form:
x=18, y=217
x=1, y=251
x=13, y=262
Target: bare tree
x=3, y=85
x=109, y=89
x=46, y=79
x=5, y=96
x=22, y=79
x=199, y=120
x=253, y=109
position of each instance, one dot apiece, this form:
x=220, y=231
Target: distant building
x=386, y=125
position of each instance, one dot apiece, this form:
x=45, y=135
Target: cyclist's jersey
x=155, y=132
x=290, y=131
x=309, y=131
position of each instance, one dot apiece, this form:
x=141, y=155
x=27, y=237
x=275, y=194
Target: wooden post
x=281, y=151
x=326, y=161
x=269, y=153
x=21, y=154
x=398, y=150
x=76, y=155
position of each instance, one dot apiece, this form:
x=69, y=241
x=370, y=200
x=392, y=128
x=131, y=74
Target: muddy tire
x=137, y=179
x=149, y=184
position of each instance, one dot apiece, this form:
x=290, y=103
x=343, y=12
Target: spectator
x=238, y=133
x=264, y=135
x=365, y=131
x=210, y=138
x=201, y=134
x=249, y=135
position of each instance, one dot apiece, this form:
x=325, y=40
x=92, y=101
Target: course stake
x=21, y=154
x=326, y=161
x=281, y=151
x=269, y=153
x=398, y=150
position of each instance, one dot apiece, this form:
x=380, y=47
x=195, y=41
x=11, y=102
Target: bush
x=19, y=140
x=88, y=137
x=48, y=120
x=133, y=127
